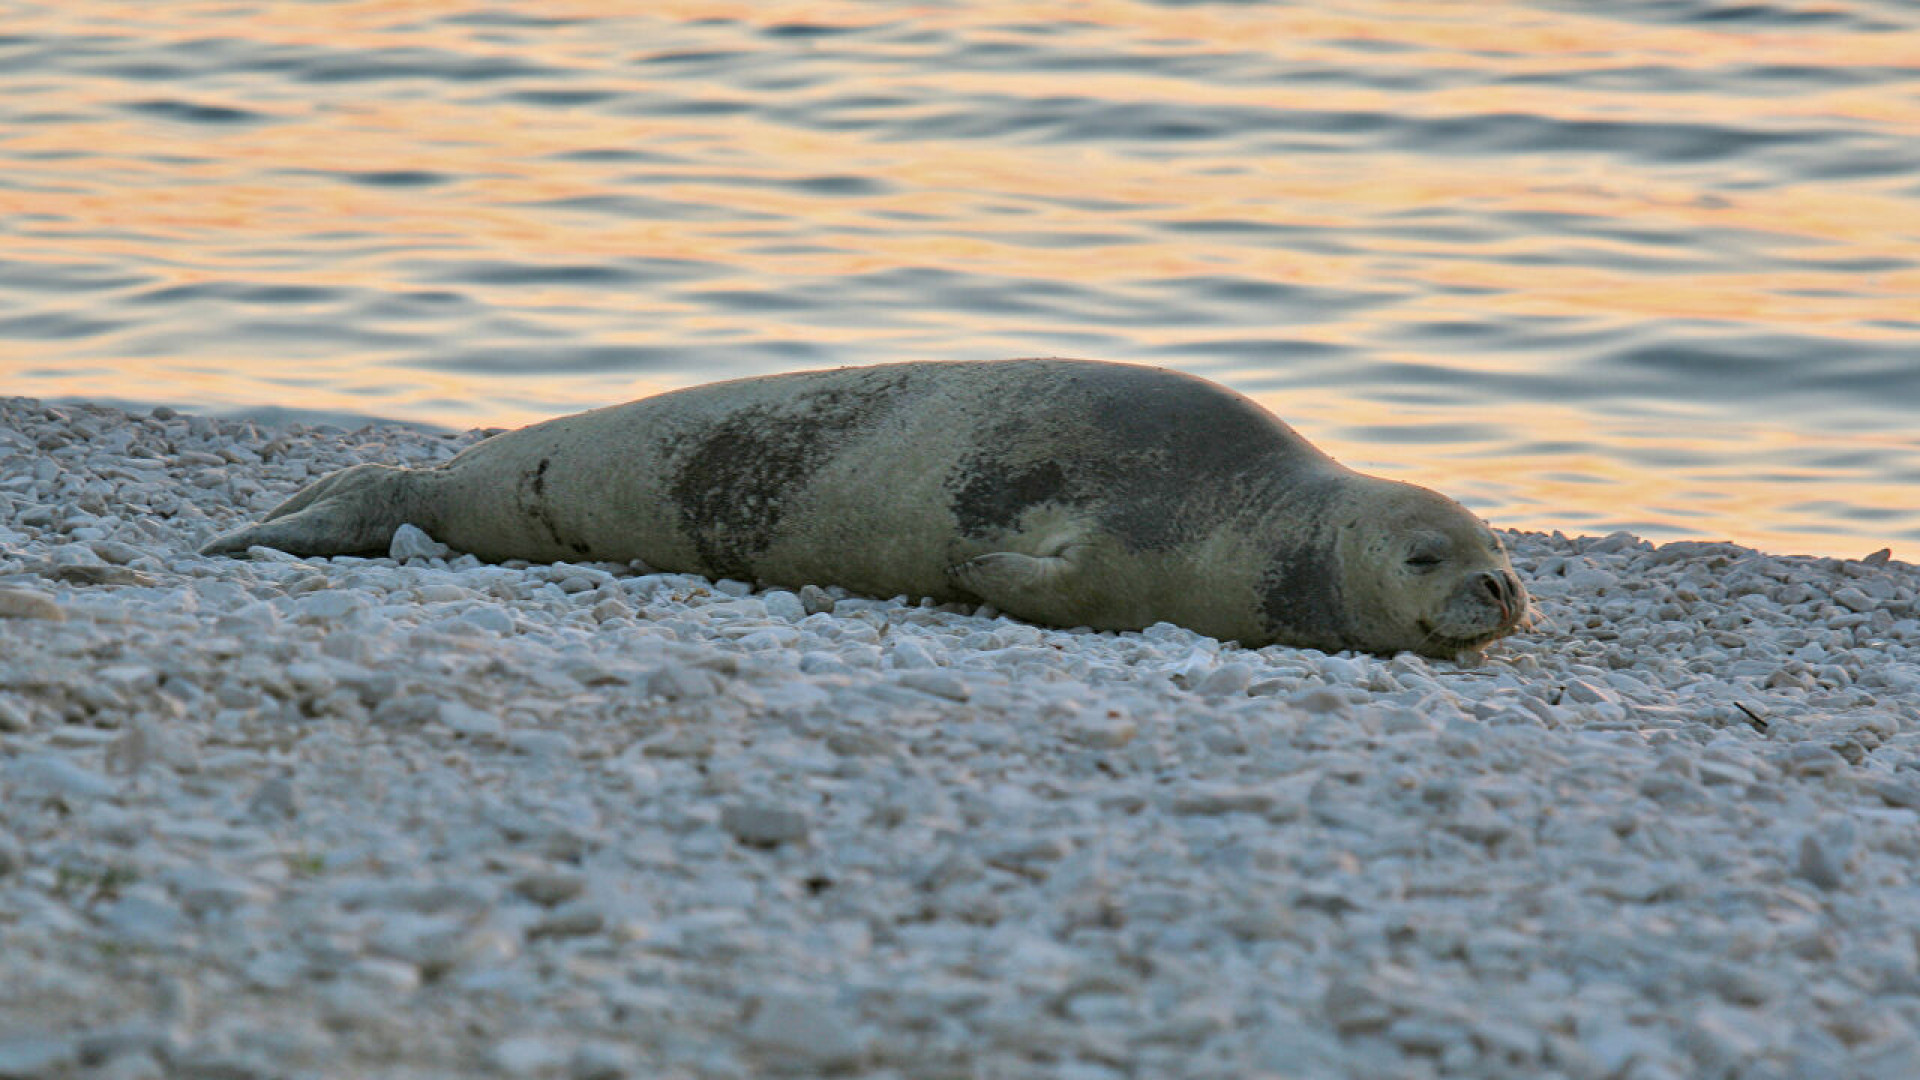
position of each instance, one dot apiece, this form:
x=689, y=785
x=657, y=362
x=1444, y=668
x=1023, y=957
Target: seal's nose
x=1504, y=589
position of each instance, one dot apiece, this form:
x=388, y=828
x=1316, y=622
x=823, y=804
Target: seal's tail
x=350, y=512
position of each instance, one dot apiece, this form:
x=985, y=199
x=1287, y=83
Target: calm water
x=1642, y=264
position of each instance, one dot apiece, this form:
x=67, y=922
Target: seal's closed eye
x=1427, y=552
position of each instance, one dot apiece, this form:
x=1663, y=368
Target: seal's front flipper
x=1029, y=586
x=350, y=512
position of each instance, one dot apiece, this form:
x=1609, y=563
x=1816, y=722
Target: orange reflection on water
x=1669, y=489
x=376, y=188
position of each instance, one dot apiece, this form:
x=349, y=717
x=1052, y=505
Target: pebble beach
x=422, y=816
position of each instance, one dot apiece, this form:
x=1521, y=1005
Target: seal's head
x=1422, y=573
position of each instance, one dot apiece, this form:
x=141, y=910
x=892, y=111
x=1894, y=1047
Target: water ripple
x=189, y=112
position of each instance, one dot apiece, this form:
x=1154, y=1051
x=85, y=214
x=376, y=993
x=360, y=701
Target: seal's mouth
x=1486, y=607
x=1436, y=643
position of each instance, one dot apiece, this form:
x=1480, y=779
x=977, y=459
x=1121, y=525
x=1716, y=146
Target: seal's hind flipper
x=350, y=512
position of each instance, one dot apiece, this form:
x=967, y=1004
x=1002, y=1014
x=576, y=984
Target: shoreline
x=294, y=816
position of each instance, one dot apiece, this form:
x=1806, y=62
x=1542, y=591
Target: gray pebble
x=1816, y=862
x=763, y=824
x=37, y=1055
x=803, y=1034
x=815, y=599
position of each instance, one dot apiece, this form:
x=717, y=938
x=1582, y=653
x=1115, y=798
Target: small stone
x=1586, y=693
x=540, y=743
x=1901, y=789
x=1213, y=799
x=491, y=619
x=1724, y=1039
x=570, y=920
x=441, y=592
x=853, y=742
x=1878, y=558
x=815, y=599
x=53, y=775
x=127, y=1050
x=326, y=605
x=141, y=919
x=764, y=824
x=313, y=678
x=21, y=604
x=14, y=715
x=550, y=887
x=1854, y=600
x=678, y=683
x=1025, y=854
x=396, y=976
x=1225, y=680
x=528, y=1055
x=1422, y=1035
x=37, y=1055
x=408, y=709
x=910, y=655
x=469, y=721
x=602, y=1061
x=781, y=604
x=275, y=798
x=803, y=1033
x=1742, y=985
x=1354, y=1006
x=1320, y=700
x=115, y=552
x=412, y=542
x=942, y=684
x=1817, y=863
x=1721, y=772
x=94, y=574
x=1103, y=732
x=1613, y=1046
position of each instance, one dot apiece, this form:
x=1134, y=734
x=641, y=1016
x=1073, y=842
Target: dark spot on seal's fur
x=735, y=481
x=534, y=504
x=1153, y=452
x=1301, y=591
x=1301, y=586
x=992, y=496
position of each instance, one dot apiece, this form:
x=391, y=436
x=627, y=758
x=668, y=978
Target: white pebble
x=781, y=604
x=939, y=683
x=529, y=1055
x=469, y=721
x=54, y=775
x=21, y=604
x=1231, y=678
x=36, y=1055
x=412, y=542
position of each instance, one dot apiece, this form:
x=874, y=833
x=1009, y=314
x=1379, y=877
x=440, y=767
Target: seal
x=1063, y=492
